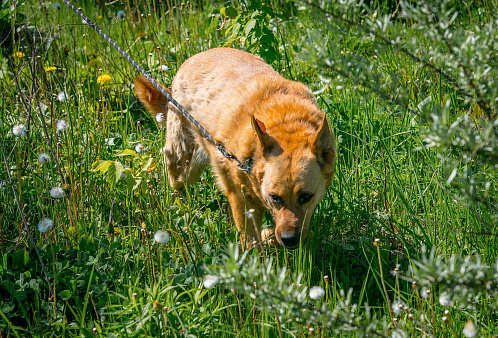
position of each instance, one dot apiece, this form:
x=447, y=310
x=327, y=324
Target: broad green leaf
x=149, y=165
x=102, y=166
x=228, y=12
x=132, y=183
x=126, y=152
x=249, y=26
x=65, y=294
x=118, y=170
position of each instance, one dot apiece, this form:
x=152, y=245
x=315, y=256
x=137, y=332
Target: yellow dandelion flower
x=50, y=68
x=117, y=230
x=103, y=78
x=99, y=17
x=18, y=54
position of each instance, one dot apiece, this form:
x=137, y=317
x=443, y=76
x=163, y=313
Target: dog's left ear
x=324, y=147
x=266, y=140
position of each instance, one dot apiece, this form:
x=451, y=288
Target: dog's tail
x=155, y=102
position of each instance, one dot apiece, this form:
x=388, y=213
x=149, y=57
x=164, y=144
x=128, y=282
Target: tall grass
x=108, y=276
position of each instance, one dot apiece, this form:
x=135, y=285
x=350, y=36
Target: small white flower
x=19, y=130
x=139, y=148
x=210, y=281
x=469, y=329
x=250, y=213
x=62, y=96
x=56, y=192
x=161, y=237
x=164, y=68
x=397, y=307
x=43, y=158
x=121, y=14
x=62, y=125
x=445, y=299
x=425, y=293
x=160, y=118
x=57, y=7
x=45, y=225
x=317, y=292
x=395, y=272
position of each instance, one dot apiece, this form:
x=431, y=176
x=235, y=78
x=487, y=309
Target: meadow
x=93, y=242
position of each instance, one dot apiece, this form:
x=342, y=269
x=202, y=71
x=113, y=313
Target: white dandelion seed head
x=160, y=118
x=56, y=192
x=45, y=225
x=121, y=14
x=210, y=281
x=161, y=237
x=139, y=148
x=469, y=330
x=398, y=333
x=19, y=130
x=398, y=306
x=250, y=213
x=317, y=292
x=445, y=299
x=425, y=293
x=62, y=96
x=62, y=125
x=164, y=68
x=43, y=158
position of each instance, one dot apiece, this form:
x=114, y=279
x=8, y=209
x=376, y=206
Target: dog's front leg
x=248, y=216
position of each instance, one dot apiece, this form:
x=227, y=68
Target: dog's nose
x=290, y=239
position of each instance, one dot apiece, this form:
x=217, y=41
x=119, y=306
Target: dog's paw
x=268, y=237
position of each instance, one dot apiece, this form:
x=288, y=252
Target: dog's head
x=297, y=168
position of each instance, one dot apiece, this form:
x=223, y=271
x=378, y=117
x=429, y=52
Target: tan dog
x=257, y=115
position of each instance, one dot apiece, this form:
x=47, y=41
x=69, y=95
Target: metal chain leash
x=206, y=134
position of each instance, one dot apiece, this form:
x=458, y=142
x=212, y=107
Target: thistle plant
x=462, y=280
x=277, y=290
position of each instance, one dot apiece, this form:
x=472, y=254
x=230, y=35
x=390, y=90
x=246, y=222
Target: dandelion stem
x=23, y=217
x=384, y=285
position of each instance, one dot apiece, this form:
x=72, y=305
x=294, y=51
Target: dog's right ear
x=266, y=140
x=150, y=96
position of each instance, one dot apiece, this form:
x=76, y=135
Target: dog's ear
x=151, y=98
x=266, y=140
x=324, y=147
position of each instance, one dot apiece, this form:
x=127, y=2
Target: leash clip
x=247, y=169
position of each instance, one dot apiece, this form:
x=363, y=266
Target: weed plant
x=94, y=243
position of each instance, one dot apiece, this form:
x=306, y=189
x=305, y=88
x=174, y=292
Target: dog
x=265, y=120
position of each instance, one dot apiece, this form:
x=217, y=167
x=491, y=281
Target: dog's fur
x=258, y=115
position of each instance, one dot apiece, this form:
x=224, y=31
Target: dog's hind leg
x=185, y=157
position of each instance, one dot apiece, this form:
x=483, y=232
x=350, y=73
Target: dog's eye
x=305, y=198
x=276, y=199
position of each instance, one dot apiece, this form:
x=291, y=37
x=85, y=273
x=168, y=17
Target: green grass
x=101, y=256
